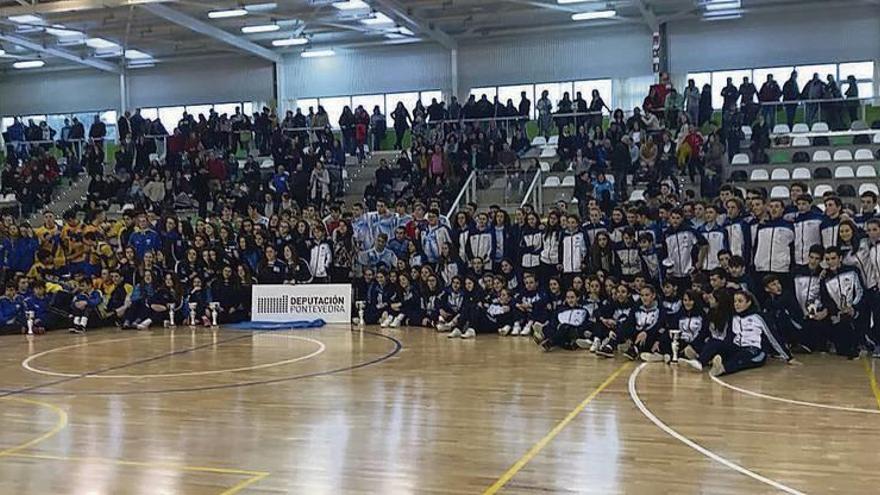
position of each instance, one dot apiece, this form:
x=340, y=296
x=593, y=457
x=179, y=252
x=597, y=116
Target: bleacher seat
x=863, y=155
x=499, y=183
x=267, y=164
x=568, y=181
x=822, y=173
x=539, y=141
x=781, y=129
x=554, y=140
x=800, y=129
x=552, y=182
x=843, y=156
x=779, y=192
x=800, y=157
x=859, y=125
x=548, y=152
x=821, y=189
x=800, y=142
x=740, y=159
x=739, y=176
x=574, y=201
x=747, y=132
x=876, y=139
x=759, y=174
x=865, y=171
x=545, y=167
x=846, y=191
x=241, y=164
x=821, y=156
x=154, y=157
x=820, y=127
x=780, y=174
x=637, y=195
x=844, y=172
x=869, y=186
x=800, y=173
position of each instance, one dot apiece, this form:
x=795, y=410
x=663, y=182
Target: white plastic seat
x=876, y=139
x=843, y=156
x=859, y=125
x=574, y=201
x=241, y=164
x=800, y=142
x=637, y=195
x=268, y=163
x=552, y=182
x=548, y=152
x=864, y=155
x=539, y=141
x=821, y=189
x=866, y=171
x=844, y=172
x=759, y=174
x=820, y=127
x=154, y=157
x=554, y=140
x=747, y=131
x=800, y=129
x=545, y=167
x=780, y=174
x=779, y=192
x=821, y=156
x=869, y=186
x=740, y=159
x=801, y=173
x=781, y=129
x=568, y=181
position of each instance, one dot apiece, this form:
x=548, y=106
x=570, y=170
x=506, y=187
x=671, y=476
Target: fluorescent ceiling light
x=132, y=54
x=564, y=2
x=27, y=19
x=395, y=36
x=377, y=19
x=318, y=53
x=101, y=44
x=261, y=7
x=351, y=5
x=62, y=32
x=723, y=16
x=723, y=5
x=290, y=42
x=29, y=64
x=406, y=32
x=260, y=28
x=596, y=14
x=224, y=14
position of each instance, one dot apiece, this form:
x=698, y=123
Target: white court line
x=690, y=443
x=792, y=401
x=26, y=364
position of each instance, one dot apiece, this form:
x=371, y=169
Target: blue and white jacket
x=773, y=246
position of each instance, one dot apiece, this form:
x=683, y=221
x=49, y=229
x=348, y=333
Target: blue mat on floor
x=288, y=325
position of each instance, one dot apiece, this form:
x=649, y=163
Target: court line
x=873, y=379
x=26, y=364
x=634, y=395
x=537, y=447
x=244, y=484
x=60, y=423
x=397, y=348
x=793, y=401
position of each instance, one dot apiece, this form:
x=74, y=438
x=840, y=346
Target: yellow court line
x=873, y=379
x=518, y=465
x=244, y=484
x=60, y=424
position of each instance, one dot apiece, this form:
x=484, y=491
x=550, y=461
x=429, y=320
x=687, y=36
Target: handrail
x=533, y=190
x=467, y=190
x=818, y=100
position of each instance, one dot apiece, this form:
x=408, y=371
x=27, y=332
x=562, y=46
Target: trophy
x=360, y=306
x=215, y=308
x=812, y=309
x=675, y=334
x=30, y=322
x=192, y=313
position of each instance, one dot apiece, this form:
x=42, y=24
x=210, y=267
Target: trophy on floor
x=215, y=308
x=192, y=313
x=676, y=344
x=170, y=322
x=360, y=320
x=30, y=322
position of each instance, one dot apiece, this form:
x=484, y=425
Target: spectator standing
x=791, y=93
x=768, y=96
x=692, y=102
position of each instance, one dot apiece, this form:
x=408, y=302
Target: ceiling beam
x=416, y=24
x=68, y=6
x=648, y=15
x=549, y=6
x=60, y=53
x=206, y=29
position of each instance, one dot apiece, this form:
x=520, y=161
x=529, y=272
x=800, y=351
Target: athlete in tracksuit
x=568, y=324
x=682, y=245
x=807, y=284
x=481, y=242
x=572, y=251
x=843, y=299
x=774, y=243
x=612, y=323
x=626, y=255
x=807, y=230
x=531, y=307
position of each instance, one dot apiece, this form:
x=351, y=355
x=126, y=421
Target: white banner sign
x=283, y=303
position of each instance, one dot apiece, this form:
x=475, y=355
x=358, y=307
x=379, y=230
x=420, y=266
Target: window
x=719, y=81
x=586, y=88
x=304, y=104
x=334, y=107
x=170, y=117
x=427, y=96
x=150, y=113
x=490, y=92
x=805, y=72
x=5, y=123
x=369, y=102
x=56, y=122
x=780, y=74
x=196, y=110
x=554, y=90
x=227, y=108
x=36, y=118
x=515, y=93
x=701, y=79
x=864, y=74
x=408, y=99
x=248, y=108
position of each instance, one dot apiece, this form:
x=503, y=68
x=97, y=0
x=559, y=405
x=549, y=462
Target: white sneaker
x=583, y=343
x=144, y=324
x=527, y=330
x=517, y=328
x=503, y=331
x=651, y=357
x=470, y=333
x=595, y=345
x=395, y=323
x=385, y=320
x=455, y=333
x=693, y=363
x=717, y=366
x=443, y=326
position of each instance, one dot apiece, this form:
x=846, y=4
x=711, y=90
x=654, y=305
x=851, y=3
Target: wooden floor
x=335, y=411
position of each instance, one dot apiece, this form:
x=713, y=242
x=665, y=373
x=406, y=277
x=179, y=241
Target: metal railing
x=535, y=193
x=467, y=194
x=816, y=110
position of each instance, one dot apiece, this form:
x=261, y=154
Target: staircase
x=359, y=176
x=64, y=197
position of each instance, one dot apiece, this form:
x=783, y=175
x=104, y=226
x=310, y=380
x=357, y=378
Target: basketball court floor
x=339, y=411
